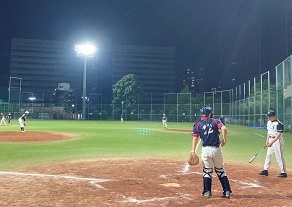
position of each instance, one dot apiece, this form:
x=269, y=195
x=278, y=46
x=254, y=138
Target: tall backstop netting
x=271, y=90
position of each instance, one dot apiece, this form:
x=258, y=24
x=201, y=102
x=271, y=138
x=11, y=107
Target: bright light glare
x=32, y=98
x=85, y=50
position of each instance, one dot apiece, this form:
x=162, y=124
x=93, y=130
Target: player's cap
x=206, y=111
x=27, y=112
x=271, y=113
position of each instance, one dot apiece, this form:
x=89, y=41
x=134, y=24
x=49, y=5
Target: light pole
x=32, y=98
x=85, y=51
x=9, y=90
x=213, y=92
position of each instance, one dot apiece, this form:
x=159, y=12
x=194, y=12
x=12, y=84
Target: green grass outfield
x=115, y=139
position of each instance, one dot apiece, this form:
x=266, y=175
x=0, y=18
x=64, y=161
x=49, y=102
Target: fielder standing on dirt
x=212, y=157
x=21, y=121
x=275, y=144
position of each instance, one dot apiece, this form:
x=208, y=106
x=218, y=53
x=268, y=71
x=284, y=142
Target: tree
x=128, y=91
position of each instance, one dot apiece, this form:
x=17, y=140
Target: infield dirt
x=138, y=182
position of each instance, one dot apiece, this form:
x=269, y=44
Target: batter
x=275, y=144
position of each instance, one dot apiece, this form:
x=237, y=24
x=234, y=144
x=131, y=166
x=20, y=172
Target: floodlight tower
x=85, y=51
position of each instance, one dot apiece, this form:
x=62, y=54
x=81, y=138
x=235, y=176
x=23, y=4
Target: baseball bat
x=252, y=159
x=198, y=145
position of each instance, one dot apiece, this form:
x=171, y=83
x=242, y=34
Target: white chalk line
x=245, y=184
x=259, y=135
x=137, y=201
x=95, y=181
x=186, y=168
x=248, y=185
x=92, y=181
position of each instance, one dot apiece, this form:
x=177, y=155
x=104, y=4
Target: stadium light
x=85, y=51
x=32, y=98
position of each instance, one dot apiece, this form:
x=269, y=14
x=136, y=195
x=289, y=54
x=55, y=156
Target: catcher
x=208, y=130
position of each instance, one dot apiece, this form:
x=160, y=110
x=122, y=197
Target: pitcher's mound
x=11, y=136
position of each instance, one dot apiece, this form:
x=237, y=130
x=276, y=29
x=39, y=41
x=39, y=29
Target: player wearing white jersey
x=21, y=121
x=275, y=144
x=2, y=119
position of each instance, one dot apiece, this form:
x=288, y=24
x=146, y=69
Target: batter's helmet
x=206, y=111
x=271, y=113
x=27, y=112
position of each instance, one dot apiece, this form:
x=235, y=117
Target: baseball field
x=112, y=163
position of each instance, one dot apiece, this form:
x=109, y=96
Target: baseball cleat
x=226, y=194
x=282, y=175
x=264, y=172
x=207, y=194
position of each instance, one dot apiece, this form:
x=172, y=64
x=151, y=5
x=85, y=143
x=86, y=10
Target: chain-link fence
x=247, y=104
x=271, y=90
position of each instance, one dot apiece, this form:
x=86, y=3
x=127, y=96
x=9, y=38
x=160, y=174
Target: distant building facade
x=45, y=66
x=194, y=79
x=154, y=67
x=42, y=65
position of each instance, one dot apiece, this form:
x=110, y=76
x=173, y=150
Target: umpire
x=212, y=157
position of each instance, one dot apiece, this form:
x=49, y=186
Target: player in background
x=212, y=157
x=222, y=119
x=9, y=117
x=164, y=121
x=275, y=144
x=21, y=121
x=2, y=119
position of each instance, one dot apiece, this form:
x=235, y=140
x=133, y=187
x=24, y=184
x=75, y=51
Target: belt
x=211, y=146
x=272, y=136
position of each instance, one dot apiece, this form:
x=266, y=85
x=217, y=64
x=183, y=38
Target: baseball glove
x=193, y=159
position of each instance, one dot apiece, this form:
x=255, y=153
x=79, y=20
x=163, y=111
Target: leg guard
x=223, y=179
x=22, y=129
x=207, y=181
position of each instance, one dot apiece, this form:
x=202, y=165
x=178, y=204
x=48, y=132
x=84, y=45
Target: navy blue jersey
x=164, y=118
x=208, y=130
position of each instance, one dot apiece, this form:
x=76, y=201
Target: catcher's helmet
x=27, y=112
x=206, y=111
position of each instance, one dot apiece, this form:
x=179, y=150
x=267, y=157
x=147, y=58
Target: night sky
x=196, y=28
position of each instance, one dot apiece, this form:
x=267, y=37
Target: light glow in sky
x=85, y=50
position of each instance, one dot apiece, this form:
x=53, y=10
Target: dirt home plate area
x=134, y=182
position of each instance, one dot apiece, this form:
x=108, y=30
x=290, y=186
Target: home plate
x=171, y=185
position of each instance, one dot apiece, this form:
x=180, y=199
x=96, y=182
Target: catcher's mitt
x=193, y=159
